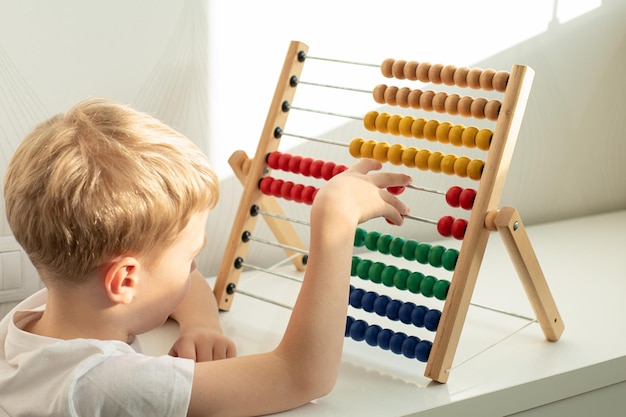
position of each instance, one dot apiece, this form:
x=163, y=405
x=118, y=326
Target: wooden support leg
x=509, y=224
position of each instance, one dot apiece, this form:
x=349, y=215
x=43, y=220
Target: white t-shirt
x=42, y=376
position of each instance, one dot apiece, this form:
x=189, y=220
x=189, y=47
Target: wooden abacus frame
x=484, y=218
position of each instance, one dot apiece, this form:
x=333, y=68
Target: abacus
x=263, y=188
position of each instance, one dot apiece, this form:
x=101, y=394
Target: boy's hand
x=203, y=344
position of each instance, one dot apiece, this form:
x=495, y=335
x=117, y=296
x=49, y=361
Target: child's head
x=100, y=181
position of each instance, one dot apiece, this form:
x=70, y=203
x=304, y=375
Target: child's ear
x=121, y=278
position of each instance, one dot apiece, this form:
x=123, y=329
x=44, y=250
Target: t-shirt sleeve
x=133, y=385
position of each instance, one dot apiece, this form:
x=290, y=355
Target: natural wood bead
x=447, y=74
x=426, y=100
x=460, y=77
x=472, y=78
x=464, y=106
x=379, y=93
x=385, y=67
x=492, y=109
x=486, y=79
x=434, y=73
x=409, y=70
x=402, y=97
x=390, y=95
x=414, y=99
x=439, y=102
x=500, y=80
x=397, y=69
x=452, y=103
x=477, y=107
x=422, y=71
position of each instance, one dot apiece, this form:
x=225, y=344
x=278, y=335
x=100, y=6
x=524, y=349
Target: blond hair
x=100, y=181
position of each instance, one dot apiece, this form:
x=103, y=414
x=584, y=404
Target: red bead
x=327, y=170
x=466, y=198
x=285, y=190
x=272, y=159
x=339, y=168
x=308, y=194
x=294, y=164
x=452, y=196
x=458, y=228
x=444, y=226
x=305, y=166
x=275, y=187
x=283, y=161
x=265, y=185
x=396, y=190
x=296, y=193
x=316, y=168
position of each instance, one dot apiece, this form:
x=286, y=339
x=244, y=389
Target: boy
x=111, y=207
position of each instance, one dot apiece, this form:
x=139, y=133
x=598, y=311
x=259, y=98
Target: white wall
x=154, y=54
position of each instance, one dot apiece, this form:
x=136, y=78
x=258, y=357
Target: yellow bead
x=395, y=154
x=443, y=131
x=381, y=122
x=408, y=157
x=455, y=135
x=393, y=124
x=380, y=152
x=369, y=121
x=421, y=159
x=434, y=161
x=460, y=166
x=447, y=164
x=430, y=130
x=405, y=126
x=417, y=128
x=367, y=149
x=483, y=139
x=469, y=137
x=475, y=169
x=355, y=147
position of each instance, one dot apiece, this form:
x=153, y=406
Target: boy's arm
x=305, y=364
x=200, y=334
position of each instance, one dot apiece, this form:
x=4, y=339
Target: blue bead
x=396, y=341
x=404, y=314
x=355, y=297
x=422, y=350
x=357, y=330
x=409, y=345
x=417, y=316
x=367, y=302
x=392, y=309
x=431, y=320
x=380, y=305
x=383, y=338
x=371, y=334
x=349, y=321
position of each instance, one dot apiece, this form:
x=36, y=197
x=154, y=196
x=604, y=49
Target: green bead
x=396, y=247
x=413, y=282
x=370, y=240
x=362, y=269
x=440, y=289
x=355, y=263
x=448, y=259
x=400, y=278
x=376, y=271
x=427, y=284
x=408, y=250
x=383, y=244
x=434, y=256
x=388, y=274
x=359, y=237
x=421, y=253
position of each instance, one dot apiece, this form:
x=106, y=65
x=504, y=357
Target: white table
x=584, y=373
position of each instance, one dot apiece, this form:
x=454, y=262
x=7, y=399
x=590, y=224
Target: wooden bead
x=354, y=148
x=369, y=121
x=426, y=100
x=410, y=70
x=367, y=149
x=472, y=78
x=390, y=95
x=442, y=132
x=464, y=106
x=414, y=99
x=379, y=93
x=486, y=79
x=385, y=67
x=460, y=77
x=395, y=154
x=397, y=69
x=417, y=128
x=434, y=73
x=381, y=122
x=408, y=157
x=393, y=124
x=402, y=97
x=475, y=169
x=477, y=107
x=460, y=166
x=455, y=135
x=422, y=71
x=452, y=103
x=469, y=137
x=483, y=139
x=430, y=130
x=500, y=80
x=447, y=164
x=381, y=150
x=492, y=109
x=434, y=161
x=405, y=126
x=447, y=74
x=439, y=102
x=421, y=159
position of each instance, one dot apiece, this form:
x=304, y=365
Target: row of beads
x=400, y=278
x=441, y=102
x=475, y=78
x=288, y=190
x=395, y=310
x=431, y=130
x=399, y=343
x=423, y=159
x=411, y=250
x=306, y=166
